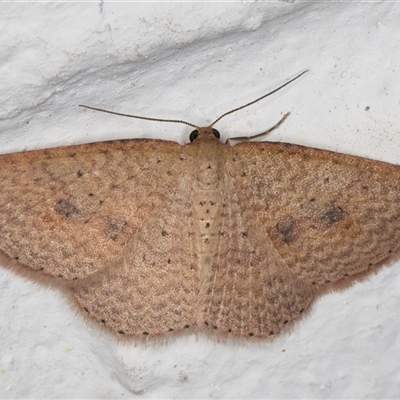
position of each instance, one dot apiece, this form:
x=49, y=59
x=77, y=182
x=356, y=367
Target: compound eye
x=194, y=135
x=216, y=133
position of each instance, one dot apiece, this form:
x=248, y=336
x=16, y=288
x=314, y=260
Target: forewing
x=68, y=211
x=329, y=215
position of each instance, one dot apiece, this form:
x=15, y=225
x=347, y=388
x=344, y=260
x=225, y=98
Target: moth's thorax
x=210, y=155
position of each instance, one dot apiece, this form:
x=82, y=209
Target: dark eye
x=194, y=135
x=215, y=133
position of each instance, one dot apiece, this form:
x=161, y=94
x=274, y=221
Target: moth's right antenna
x=260, y=98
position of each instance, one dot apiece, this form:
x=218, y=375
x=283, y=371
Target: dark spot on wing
x=332, y=214
x=66, y=208
x=286, y=230
x=114, y=227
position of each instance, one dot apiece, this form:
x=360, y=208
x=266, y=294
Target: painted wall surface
x=194, y=61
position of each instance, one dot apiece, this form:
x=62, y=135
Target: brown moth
x=150, y=238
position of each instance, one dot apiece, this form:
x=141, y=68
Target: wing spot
x=79, y=174
x=271, y=333
x=164, y=233
x=207, y=225
x=251, y=334
x=65, y=208
x=187, y=326
x=114, y=227
x=170, y=330
x=169, y=261
x=286, y=230
x=103, y=321
x=333, y=214
x=86, y=310
x=145, y=333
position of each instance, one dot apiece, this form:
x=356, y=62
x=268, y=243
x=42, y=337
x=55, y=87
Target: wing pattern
x=150, y=238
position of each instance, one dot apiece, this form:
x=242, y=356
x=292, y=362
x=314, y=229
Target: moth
x=149, y=238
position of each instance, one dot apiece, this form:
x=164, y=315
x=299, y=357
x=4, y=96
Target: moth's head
x=204, y=133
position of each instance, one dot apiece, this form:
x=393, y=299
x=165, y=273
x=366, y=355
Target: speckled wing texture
x=301, y=221
x=149, y=238
x=68, y=211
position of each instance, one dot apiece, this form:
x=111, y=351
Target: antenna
x=188, y=123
